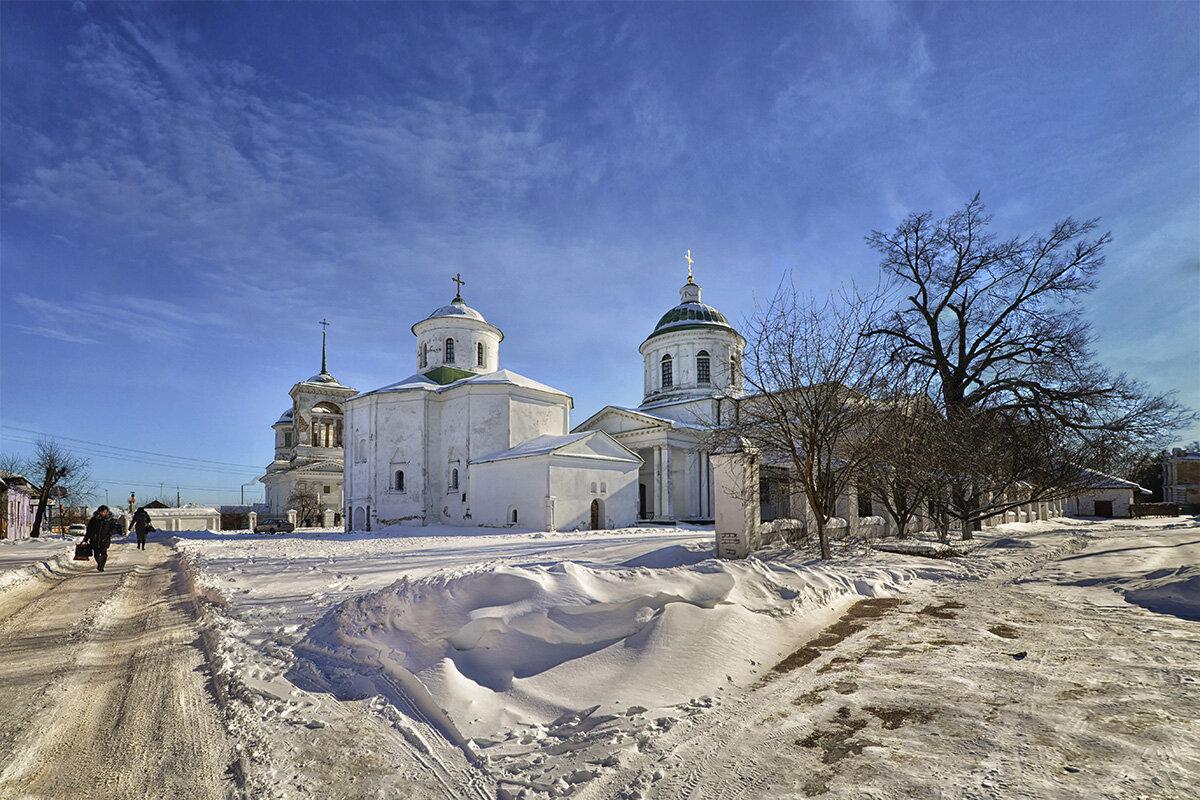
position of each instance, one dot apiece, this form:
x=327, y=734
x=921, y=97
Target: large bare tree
x=812, y=376
x=63, y=474
x=994, y=329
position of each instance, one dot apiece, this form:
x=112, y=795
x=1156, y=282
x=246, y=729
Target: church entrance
x=597, y=515
x=642, y=502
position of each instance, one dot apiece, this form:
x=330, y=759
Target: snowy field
x=1055, y=659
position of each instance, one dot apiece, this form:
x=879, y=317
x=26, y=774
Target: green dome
x=690, y=315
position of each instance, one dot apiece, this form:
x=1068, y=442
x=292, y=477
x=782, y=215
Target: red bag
x=82, y=552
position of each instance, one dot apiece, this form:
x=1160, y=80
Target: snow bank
x=1169, y=591
x=501, y=645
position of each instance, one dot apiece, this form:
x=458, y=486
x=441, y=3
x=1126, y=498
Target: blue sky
x=187, y=189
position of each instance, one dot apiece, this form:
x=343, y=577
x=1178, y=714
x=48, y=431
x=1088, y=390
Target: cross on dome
x=458, y=279
x=690, y=262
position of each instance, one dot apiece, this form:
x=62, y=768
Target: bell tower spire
x=324, y=324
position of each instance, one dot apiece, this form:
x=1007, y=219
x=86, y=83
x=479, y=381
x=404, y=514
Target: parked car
x=273, y=525
x=76, y=529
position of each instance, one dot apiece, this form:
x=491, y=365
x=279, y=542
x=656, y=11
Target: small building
x=18, y=500
x=1181, y=477
x=1104, y=496
x=187, y=518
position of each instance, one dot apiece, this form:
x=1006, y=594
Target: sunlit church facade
x=463, y=441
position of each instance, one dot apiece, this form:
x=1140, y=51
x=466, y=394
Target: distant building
x=187, y=518
x=1181, y=477
x=17, y=501
x=308, y=444
x=1105, y=496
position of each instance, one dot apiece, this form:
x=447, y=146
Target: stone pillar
x=668, y=486
x=291, y=515
x=550, y=523
x=327, y=518
x=735, y=499
x=252, y=519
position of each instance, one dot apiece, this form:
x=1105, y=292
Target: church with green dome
x=692, y=371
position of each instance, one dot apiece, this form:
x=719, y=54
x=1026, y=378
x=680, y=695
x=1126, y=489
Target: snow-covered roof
x=549, y=443
x=653, y=419
x=1099, y=480
x=285, y=418
x=419, y=382
x=323, y=379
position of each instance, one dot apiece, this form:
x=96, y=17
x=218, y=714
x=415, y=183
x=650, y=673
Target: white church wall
x=530, y=417
x=523, y=484
x=576, y=484
x=501, y=486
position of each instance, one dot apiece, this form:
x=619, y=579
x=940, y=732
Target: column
x=656, y=489
x=668, y=499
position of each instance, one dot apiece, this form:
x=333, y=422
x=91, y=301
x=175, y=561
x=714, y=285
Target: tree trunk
x=41, y=509
x=823, y=539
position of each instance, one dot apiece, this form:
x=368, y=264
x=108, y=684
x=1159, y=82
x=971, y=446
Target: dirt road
x=104, y=688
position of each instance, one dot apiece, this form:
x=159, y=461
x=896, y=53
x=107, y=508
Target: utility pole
x=177, y=503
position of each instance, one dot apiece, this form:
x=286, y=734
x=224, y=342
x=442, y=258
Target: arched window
x=454, y=480
x=424, y=355
x=449, y=351
x=479, y=354
x=702, y=371
x=667, y=379
x=733, y=371
x=514, y=517
x=399, y=480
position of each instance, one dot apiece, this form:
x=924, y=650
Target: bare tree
x=812, y=375
x=995, y=331
x=307, y=503
x=902, y=473
x=58, y=469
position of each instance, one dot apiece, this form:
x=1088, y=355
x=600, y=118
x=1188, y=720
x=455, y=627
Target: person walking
x=100, y=529
x=141, y=526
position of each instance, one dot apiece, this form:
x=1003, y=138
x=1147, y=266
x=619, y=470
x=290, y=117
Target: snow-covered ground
x=1055, y=659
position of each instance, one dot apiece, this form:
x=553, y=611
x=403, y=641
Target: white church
x=464, y=442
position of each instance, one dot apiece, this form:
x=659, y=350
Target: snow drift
x=499, y=646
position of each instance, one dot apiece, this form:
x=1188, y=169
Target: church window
x=514, y=517
x=479, y=354
x=454, y=480
x=449, y=351
x=399, y=485
x=287, y=438
x=324, y=490
x=424, y=360
x=667, y=379
x=702, y=371
x=733, y=372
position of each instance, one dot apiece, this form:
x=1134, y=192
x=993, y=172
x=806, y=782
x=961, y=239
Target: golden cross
x=458, y=279
x=690, y=262
x=324, y=324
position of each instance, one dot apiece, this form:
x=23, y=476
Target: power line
x=130, y=449
x=165, y=484
x=154, y=461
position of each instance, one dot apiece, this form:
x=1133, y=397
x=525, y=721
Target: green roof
x=690, y=315
x=443, y=375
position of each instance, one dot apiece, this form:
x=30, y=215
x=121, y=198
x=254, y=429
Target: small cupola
x=455, y=342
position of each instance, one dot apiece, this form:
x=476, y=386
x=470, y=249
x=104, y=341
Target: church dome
x=457, y=309
x=690, y=313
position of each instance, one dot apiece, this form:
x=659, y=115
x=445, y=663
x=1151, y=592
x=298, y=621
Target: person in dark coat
x=141, y=526
x=100, y=530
